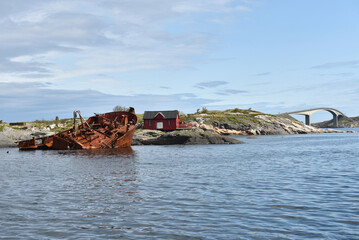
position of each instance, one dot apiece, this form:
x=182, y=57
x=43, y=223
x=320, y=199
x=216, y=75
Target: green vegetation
x=60, y=125
x=230, y=116
x=345, y=122
x=204, y=110
x=56, y=125
x=119, y=108
x=139, y=118
x=234, y=116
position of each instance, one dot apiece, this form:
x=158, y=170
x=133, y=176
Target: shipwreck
x=107, y=130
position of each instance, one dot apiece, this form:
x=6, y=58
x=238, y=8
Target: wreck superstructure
x=108, y=130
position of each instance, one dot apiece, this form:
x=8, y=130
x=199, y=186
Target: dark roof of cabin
x=166, y=114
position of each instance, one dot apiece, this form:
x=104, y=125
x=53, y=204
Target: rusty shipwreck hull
x=108, y=130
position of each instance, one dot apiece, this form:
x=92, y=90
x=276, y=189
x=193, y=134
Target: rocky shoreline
x=203, y=128
x=344, y=122
x=9, y=136
x=262, y=125
x=183, y=137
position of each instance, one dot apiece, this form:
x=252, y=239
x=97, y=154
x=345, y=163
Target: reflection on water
x=273, y=187
x=56, y=194
x=118, y=152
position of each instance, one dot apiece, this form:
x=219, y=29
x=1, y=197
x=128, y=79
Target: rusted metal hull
x=108, y=130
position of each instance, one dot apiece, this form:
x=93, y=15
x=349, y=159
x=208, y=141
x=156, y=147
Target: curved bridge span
x=336, y=114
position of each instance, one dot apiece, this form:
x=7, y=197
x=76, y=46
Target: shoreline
x=205, y=127
x=196, y=136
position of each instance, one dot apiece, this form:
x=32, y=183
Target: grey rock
x=6, y=142
x=38, y=134
x=186, y=137
x=9, y=136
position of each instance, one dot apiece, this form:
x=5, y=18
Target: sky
x=273, y=56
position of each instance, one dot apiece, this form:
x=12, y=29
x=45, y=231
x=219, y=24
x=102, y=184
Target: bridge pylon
x=307, y=119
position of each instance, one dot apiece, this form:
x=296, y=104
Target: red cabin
x=161, y=120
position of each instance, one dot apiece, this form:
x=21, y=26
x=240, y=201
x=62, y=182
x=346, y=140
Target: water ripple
x=273, y=187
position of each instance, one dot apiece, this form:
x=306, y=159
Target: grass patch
x=139, y=118
x=231, y=116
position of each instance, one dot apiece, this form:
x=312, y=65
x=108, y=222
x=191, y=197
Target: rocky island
x=185, y=137
x=249, y=122
x=343, y=122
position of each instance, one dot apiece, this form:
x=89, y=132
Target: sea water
x=271, y=187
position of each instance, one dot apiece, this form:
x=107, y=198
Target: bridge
x=336, y=114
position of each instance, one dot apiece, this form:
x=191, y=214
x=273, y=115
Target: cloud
x=37, y=75
x=263, y=74
x=76, y=43
x=227, y=92
x=208, y=6
x=346, y=74
x=259, y=84
x=107, y=36
x=20, y=67
x=350, y=64
x=210, y=84
x=31, y=101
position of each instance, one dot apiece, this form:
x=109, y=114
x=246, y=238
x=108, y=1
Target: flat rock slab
x=6, y=142
x=9, y=136
x=187, y=137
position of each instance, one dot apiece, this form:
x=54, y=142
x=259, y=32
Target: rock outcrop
x=211, y=127
x=9, y=136
x=184, y=137
x=344, y=122
x=261, y=125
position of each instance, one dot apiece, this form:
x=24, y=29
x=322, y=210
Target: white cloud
x=40, y=36
x=349, y=64
x=80, y=44
x=208, y=6
x=210, y=84
x=34, y=100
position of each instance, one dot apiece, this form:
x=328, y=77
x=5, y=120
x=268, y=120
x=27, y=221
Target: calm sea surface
x=272, y=187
